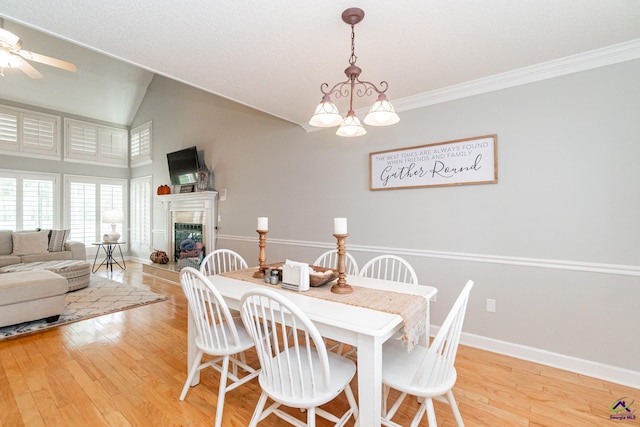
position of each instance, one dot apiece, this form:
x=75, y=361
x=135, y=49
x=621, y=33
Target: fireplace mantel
x=202, y=203
x=188, y=198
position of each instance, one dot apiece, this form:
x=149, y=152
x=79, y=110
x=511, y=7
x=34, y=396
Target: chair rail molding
x=591, y=267
x=591, y=368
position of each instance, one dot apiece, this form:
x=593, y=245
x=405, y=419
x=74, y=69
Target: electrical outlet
x=491, y=305
x=223, y=194
x=219, y=218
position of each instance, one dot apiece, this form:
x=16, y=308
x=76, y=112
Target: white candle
x=339, y=225
x=263, y=223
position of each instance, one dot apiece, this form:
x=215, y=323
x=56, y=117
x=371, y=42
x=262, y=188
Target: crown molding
x=609, y=55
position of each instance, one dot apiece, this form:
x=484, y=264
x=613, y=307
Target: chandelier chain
x=353, y=58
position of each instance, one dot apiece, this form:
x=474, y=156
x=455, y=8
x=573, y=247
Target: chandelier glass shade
x=326, y=114
x=382, y=113
x=351, y=126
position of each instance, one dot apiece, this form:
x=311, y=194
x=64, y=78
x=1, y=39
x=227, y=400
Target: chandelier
x=381, y=113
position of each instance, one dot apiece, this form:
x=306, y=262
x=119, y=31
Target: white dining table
x=367, y=329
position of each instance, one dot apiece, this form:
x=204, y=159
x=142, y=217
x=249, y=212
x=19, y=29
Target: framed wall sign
x=460, y=162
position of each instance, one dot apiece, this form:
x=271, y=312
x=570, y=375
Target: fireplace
x=188, y=248
x=190, y=216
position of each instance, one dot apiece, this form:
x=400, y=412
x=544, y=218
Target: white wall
x=554, y=242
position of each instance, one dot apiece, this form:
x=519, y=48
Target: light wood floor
x=128, y=368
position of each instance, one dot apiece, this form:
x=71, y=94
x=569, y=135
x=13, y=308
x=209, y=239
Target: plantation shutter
x=87, y=199
x=9, y=130
x=111, y=143
x=98, y=144
x=82, y=212
x=8, y=203
x=28, y=200
x=37, y=204
x=82, y=141
x=39, y=135
x=111, y=198
x=140, y=218
x=141, y=144
x=29, y=133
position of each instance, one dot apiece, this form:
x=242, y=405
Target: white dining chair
x=218, y=335
x=221, y=261
x=296, y=370
x=427, y=373
x=329, y=259
x=387, y=267
x=390, y=267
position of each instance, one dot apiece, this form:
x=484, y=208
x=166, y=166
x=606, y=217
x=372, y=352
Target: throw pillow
x=57, y=239
x=30, y=243
x=6, y=244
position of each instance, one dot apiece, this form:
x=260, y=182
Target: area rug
x=102, y=296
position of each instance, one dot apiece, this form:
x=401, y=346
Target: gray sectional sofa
x=70, y=250
x=44, y=266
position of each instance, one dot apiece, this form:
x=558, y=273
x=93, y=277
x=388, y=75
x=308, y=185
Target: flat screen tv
x=183, y=166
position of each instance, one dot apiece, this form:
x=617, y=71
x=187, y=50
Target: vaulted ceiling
x=274, y=55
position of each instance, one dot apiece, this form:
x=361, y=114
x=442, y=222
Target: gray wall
x=554, y=242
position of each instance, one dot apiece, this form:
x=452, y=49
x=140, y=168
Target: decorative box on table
x=318, y=276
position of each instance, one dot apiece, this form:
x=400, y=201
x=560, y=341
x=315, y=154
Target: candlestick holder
x=341, y=287
x=262, y=256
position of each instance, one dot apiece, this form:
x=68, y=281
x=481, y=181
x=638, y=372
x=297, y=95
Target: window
x=39, y=135
x=28, y=200
x=140, y=218
x=111, y=197
x=37, y=204
x=82, y=141
x=9, y=130
x=93, y=143
x=86, y=199
x=27, y=133
x=9, y=203
x=113, y=145
x=141, y=144
x=82, y=212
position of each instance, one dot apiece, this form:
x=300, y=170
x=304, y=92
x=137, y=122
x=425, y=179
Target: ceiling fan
x=13, y=56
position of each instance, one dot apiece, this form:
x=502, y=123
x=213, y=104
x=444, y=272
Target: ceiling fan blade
x=9, y=40
x=30, y=71
x=43, y=59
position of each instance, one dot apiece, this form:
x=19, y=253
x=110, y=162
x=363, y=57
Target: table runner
x=412, y=310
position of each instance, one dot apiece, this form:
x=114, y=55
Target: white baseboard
x=589, y=368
